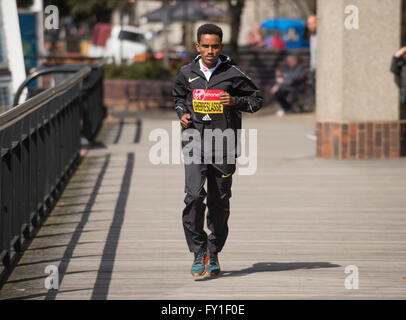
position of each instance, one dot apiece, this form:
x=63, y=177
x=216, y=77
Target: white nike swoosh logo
x=190, y=80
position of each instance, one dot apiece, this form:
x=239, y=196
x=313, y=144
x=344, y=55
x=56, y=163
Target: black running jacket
x=227, y=77
x=195, y=95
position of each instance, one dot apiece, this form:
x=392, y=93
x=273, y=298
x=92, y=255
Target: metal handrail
x=44, y=71
x=40, y=143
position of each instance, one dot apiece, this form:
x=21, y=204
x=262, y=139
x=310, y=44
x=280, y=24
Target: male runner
x=209, y=94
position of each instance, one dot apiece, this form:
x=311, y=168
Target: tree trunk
x=235, y=7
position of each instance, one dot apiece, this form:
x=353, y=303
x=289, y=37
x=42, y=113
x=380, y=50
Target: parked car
x=125, y=43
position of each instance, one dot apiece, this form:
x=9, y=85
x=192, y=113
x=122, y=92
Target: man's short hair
x=209, y=28
x=292, y=56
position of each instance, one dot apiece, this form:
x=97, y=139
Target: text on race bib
x=207, y=101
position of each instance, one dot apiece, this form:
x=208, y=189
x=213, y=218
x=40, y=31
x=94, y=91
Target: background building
x=253, y=11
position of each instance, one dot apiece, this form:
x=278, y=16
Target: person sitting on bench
x=289, y=83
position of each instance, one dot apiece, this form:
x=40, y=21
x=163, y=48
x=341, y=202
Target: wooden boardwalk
x=295, y=225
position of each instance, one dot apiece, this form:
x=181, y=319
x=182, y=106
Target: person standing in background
x=398, y=68
x=276, y=42
x=256, y=39
x=312, y=27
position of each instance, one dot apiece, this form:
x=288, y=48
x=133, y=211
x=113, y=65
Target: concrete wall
x=357, y=99
x=353, y=78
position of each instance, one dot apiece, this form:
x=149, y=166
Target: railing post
x=6, y=186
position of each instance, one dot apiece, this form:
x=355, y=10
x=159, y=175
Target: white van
x=129, y=39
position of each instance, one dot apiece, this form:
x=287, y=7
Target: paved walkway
x=295, y=225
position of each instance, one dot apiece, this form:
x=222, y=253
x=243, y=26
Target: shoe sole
x=196, y=275
x=212, y=274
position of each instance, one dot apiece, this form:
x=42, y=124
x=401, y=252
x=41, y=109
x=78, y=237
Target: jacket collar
x=196, y=66
x=223, y=58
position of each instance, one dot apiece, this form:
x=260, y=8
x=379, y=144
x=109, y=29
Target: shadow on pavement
x=271, y=267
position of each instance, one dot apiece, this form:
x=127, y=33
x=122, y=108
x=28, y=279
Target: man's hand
x=226, y=99
x=400, y=52
x=185, y=121
x=274, y=89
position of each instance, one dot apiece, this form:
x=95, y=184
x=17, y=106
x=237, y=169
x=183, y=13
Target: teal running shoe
x=198, y=266
x=213, y=265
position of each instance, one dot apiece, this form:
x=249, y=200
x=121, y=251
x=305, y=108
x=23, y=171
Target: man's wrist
x=180, y=113
x=236, y=101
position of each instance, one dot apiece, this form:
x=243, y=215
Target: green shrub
x=150, y=70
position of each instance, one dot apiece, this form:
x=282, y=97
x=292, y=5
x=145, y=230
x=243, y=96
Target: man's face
x=312, y=24
x=209, y=48
x=291, y=61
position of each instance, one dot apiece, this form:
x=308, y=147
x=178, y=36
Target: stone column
x=357, y=97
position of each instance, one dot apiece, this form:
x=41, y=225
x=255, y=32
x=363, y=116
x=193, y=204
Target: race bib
x=206, y=104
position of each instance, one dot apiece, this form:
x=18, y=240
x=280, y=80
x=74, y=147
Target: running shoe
x=198, y=266
x=213, y=265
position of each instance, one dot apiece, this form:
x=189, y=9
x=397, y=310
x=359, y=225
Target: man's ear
x=197, y=47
